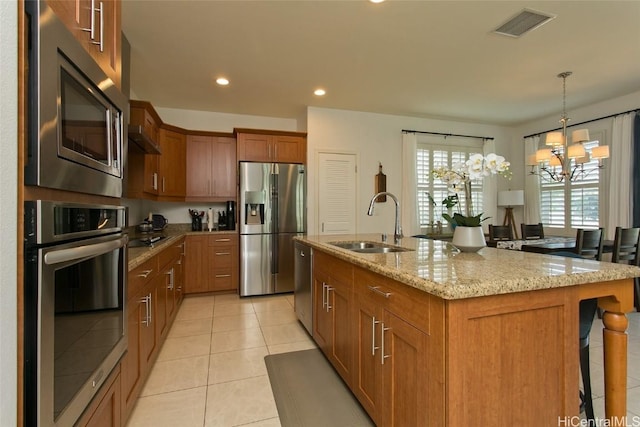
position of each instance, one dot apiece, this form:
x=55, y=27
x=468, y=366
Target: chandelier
x=561, y=160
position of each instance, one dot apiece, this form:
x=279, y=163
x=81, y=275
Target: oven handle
x=85, y=251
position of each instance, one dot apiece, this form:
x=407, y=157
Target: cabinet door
x=104, y=43
x=151, y=173
x=289, y=149
x=199, y=175
x=132, y=361
x=172, y=164
x=254, y=147
x=405, y=374
x=340, y=309
x=322, y=319
x=196, y=264
x=148, y=340
x=367, y=383
x=224, y=167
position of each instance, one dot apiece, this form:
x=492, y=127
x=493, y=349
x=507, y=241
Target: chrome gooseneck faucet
x=397, y=234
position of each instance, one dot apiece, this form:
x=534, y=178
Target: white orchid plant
x=459, y=177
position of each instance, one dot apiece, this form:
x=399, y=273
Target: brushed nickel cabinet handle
x=377, y=290
x=145, y=273
x=374, y=322
x=382, y=355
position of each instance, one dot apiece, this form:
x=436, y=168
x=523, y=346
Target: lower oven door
x=75, y=325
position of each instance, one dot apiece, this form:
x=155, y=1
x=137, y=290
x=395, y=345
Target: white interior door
x=336, y=193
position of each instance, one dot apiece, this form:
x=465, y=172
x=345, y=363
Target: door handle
x=382, y=355
x=374, y=322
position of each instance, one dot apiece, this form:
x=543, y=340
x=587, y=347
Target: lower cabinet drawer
x=223, y=279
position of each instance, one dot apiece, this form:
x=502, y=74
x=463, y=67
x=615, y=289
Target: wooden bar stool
x=625, y=250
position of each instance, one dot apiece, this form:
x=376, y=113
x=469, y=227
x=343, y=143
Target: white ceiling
x=435, y=59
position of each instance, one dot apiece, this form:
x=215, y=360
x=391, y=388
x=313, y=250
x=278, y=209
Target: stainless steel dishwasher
x=303, y=295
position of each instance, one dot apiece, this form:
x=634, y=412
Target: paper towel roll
x=210, y=219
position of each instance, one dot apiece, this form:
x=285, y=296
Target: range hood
x=141, y=141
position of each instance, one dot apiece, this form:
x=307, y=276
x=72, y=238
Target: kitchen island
x=431, y=336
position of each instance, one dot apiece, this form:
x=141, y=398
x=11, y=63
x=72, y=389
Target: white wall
x=378, y=138
x=222, y=122
x=8, y=210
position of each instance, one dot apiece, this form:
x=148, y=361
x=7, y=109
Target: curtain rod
x=448, y=134
x=582, y=123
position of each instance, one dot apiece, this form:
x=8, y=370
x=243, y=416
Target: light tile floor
x=211, y=371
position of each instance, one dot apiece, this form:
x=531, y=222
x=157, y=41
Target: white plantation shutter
x=430, y=189
x=572, y=203
x=336, y=193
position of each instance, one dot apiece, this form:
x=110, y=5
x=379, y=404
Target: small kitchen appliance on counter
x=159, y=222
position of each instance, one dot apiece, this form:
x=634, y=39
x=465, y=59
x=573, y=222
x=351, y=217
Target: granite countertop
x=440, y=269
x=172, y=233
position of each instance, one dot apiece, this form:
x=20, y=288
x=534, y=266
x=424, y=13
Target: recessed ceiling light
x=376, y=1
x=222, y=81
x=319, y=92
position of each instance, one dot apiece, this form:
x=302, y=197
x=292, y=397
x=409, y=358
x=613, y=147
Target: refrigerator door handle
x=275, y=257
x=275, y=212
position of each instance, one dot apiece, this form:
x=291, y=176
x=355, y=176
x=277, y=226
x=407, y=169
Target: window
x=432, y=191
x=572, y=203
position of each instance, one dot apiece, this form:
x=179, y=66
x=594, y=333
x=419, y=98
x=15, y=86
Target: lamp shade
x=576, y=150
x=543, y=154
x=554, y=139
x=511, y=198
x=555, y=161
x=531, y=160
x=580, y=135
x=600, y=152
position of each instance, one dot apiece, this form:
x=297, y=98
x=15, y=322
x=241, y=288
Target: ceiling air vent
x=523, y=22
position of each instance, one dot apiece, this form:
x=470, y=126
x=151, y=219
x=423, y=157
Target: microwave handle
x=85, y=251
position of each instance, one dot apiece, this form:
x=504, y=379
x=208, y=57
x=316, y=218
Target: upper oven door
x=76, y=112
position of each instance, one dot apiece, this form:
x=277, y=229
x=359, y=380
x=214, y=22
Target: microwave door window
x=85, y=127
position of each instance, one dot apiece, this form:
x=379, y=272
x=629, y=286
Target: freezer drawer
x=256, y=264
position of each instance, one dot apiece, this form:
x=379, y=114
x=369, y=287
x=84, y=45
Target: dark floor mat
x=310, y=393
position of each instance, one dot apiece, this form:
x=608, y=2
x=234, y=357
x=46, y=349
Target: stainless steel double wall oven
x=75, y=328
x=75, y=254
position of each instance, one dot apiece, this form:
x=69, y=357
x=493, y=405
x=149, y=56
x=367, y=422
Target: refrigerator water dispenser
x=254, y=207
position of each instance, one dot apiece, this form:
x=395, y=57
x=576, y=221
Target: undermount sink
x=369, y=247
x=145, y=241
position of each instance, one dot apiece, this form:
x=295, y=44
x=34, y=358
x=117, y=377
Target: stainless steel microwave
x=76, y=114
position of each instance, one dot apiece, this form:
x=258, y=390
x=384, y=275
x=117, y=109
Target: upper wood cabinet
x=211, y=168
x=271, y=146
x=97, y=25
x=160, y=176
x=172, y=164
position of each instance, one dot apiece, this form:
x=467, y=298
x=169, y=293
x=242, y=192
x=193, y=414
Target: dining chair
x=588, y=308
x=532, y=231
x=589, y=243
x=500, y=232
x=626, y=243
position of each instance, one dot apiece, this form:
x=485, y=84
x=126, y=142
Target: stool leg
x=586, y=381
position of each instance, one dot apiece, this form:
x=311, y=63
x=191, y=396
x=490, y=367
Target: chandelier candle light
x=561, y=153
x=458, y=179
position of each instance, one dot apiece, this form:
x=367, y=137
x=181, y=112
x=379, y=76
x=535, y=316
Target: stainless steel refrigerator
x=272, y=211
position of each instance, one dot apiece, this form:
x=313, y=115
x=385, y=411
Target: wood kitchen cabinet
x=211, y=263
x=332, y=324
x=378, y=336
x=271, y=146
x=391, y=367
x=104, y=42
x=211, y=167
x=160, y=177
x=172, y=164
x=152, y=304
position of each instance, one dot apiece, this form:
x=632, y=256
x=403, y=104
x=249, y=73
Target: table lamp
x=509, y=199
